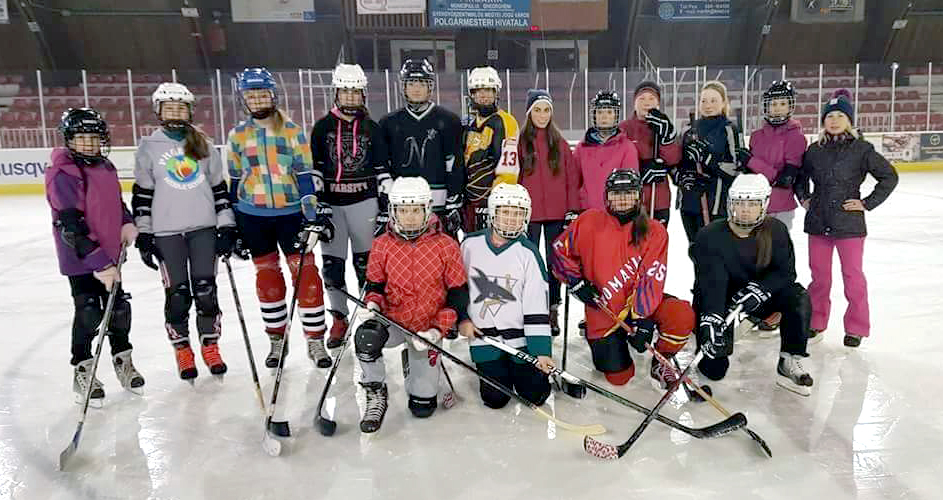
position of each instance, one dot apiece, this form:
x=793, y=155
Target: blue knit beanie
x=840, y=101
x=536, y=95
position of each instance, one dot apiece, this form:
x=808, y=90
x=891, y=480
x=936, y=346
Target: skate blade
x=137, y=391
x=219, y=378
x=96, y=403
x=802, y=390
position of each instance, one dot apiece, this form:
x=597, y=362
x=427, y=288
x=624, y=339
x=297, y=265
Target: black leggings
x=188, y=270
x=529, y=382
x=266, y=234
x=90, y=298
x=551, y=230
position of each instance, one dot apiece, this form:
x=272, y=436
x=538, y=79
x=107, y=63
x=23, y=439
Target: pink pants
x=850, y=253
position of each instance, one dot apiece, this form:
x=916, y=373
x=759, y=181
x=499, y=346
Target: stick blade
x=279, y=429
x=733, y=423
x=759, y=441
x=325, y=426
x=599, y=449
x=70, y=450
x=448, y=400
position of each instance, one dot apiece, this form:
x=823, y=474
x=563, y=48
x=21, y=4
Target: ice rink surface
x=873, y=427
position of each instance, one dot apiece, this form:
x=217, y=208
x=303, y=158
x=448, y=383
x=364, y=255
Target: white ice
x=871, y=429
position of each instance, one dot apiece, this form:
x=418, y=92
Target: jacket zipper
x=271, y=187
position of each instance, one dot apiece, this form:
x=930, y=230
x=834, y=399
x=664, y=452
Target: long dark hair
x=763, y=233
x=529, y=137
x=196, y=144
x=639, y=223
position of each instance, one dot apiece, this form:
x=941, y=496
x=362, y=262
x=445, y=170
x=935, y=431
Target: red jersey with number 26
x=630, y=278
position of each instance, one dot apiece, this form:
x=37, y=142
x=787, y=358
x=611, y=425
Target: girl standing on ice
x=712, y=157
x=603, y=150
x=90, y=225
x=551, y=179
x=181, y=205
x=837, y=165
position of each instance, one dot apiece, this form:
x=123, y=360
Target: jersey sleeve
x=221, y=201
x=651, y=286
x=234, y=165
x=507, y=168
x=301, y=163
x=886, y=175
x=795, y=148
x=536, y=310
x=317, y=160
x=568, y=265
x=757, y=164
x=63, y=194
x=456, y=285
x=142, y=192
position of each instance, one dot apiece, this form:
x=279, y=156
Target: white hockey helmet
x=747, y=188
x=171, y=92
x=410, y=192
x=511, y=223
x=349, y=76
x=484, y=77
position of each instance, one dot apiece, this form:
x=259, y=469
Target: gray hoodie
x=187, y=194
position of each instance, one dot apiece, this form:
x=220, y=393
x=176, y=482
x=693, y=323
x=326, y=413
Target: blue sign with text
x=486, y=14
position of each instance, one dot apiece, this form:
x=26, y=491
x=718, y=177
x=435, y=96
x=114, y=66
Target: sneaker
x=338, y=330
x=554, y=320
x=792, y=375
x=375, y=407
x=81, y=377
x=212, y=359
x=128, y=376
x=815, y=336
x=186, y=367
x=277, y=341
x=317, y=352
x=852, y=341
x=662, y=376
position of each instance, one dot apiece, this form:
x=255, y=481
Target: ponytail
x=764, y=243
x=196, y=144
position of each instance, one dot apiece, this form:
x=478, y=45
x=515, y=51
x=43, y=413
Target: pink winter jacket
x=595, y=160
x=773, y=148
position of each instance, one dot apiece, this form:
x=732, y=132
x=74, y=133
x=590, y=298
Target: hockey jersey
x=345, y=158
x=427, y=145
x=630, y=278
x=490, y=146
x=507, y=288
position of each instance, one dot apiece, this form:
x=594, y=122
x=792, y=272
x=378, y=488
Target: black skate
x=375, y=408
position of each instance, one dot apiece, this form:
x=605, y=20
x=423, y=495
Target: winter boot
x=128, y=376
x=375, y=408
x=852, y=341
x=278, y=344
x=792, y=375
x=185, y=364
x=317, y=352
x=80, y=380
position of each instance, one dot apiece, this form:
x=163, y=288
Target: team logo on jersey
x=491, y=293
x=183, y=172
x=417, y=152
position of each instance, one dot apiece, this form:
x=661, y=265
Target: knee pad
x=120, y=322
x=269, y=282
x=422, y=407
x=204, y=291
x=611, y=353
x=360, y=267
x=88, y=312
x=714, y=369
x=369, y=340
x=177, y=305
x=333, y=271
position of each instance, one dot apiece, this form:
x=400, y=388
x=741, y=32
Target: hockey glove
x=654, y=171
x=787, y=177
x=644, y=333
x=690, y=181
x=226, y=241
x=432, y=335
x=569, y=217
x=148, y=248
x=751, y=297
x=382, y=219
x=743, y=157
x=586, y=291
x=240, y=248
x=452, y=221
x=481, y=217
x=698, y=152
x=716, y=343
x=661, y=126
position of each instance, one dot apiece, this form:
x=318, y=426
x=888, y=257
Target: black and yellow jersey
x=486, y=146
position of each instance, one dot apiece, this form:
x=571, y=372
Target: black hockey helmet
x=417, y=70
x=605, y=99
x=85, y=121
x=780, y=89
x=623, y=181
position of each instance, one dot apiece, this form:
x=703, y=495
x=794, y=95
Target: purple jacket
x=98, y=196
x=773, y=148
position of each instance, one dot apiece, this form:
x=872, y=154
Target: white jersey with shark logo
x=507, y=289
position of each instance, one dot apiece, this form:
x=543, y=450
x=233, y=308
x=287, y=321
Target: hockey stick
x=73, y=446
x=573, y=390
x=684, y=378
x=324, y=425
x=270, y=445
x=704, y=210
x=609, y=452
x=450, y=397
x=731, y=424
x=580, y=429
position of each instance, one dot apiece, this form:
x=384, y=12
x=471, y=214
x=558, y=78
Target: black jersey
x=345, y=159
x=426, y=145
x=724, y=263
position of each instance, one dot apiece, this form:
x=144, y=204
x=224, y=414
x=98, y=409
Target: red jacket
x=551, y=195
x=410, y=279
x=630, y=278
x=643, y=137
x=596, y=159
